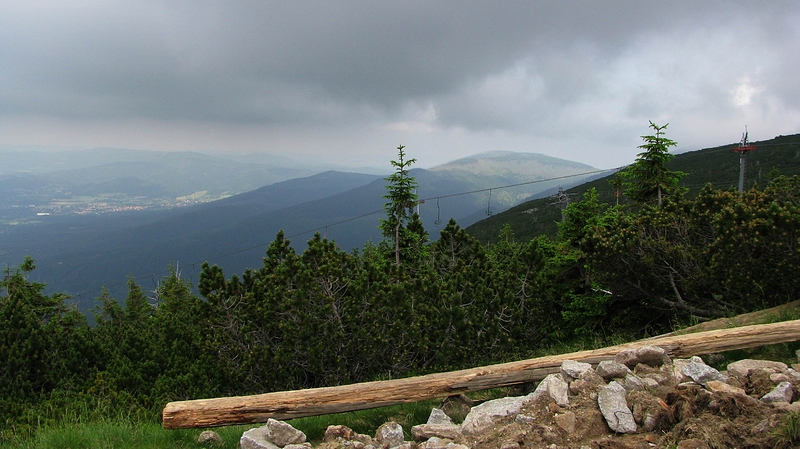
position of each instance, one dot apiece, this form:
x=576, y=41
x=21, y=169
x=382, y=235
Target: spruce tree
x=649, y=178
x=402, y=200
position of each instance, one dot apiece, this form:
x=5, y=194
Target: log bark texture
x=319, y=401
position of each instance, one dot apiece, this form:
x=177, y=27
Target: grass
x=788, y=434
x=118, y=434
x=130, y=433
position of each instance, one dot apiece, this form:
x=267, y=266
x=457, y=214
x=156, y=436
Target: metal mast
x=743, y=148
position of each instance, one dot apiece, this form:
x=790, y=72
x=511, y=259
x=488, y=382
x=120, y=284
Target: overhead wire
x=347, y=220
x=438, y=220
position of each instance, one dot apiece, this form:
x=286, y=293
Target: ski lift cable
x=324, y=227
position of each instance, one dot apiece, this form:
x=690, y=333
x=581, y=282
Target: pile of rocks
x=641, y=399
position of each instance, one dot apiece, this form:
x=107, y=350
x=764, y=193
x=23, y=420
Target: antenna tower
x=562, y=200
x=743, y=148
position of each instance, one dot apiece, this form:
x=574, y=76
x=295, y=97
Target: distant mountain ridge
x=521, y=163
x=80, y=254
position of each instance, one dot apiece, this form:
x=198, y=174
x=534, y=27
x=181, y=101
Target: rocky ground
x=642, y=399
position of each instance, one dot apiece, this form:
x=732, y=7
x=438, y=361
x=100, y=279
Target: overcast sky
x=348, y=81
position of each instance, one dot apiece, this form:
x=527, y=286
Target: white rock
x=554, y=386
x=282, y=434
x=426, y=431
x=608, y=369
x=575, y=369
x=632, y=382
x=437, y=443
x=483, y=416
x=256, y=439
x=679, y=364
x=701, y=373
x=437, y=416
x=389, y=435
x=614, y=407
x=781, y=393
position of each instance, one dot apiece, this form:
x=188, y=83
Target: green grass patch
x=115, y=434
x=128, y=434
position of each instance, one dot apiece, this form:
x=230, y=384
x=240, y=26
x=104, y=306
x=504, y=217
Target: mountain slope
x=718, y=166
x=80, y=254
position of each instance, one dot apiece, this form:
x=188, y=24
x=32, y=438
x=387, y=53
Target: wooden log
x=320, y=401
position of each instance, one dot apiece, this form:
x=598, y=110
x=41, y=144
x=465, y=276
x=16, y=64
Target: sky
x=346, y=82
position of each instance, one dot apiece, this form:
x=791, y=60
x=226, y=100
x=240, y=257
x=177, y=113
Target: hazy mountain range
x=78, y=254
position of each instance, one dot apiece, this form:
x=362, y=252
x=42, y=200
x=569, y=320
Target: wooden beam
x=321, y=401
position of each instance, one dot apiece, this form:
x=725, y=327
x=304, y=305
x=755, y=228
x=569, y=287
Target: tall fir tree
x=649, y=178
x=402, y=200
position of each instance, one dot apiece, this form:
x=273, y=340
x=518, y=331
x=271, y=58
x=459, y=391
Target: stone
x=779, y=377
x=743, y=368
x=566, y=421
x=650, y=382
x=483, y=416
x=608, y=370
x=701, y=373
x=424, y=432
x=209, y=437
x=256, y=438
x=334, y=432
x=614, y=408
x=632, y=383
x=679, y=364
x=717, y=386
x=647, y=355
x=555, y=387
x=437, y=443
x=528, y=419
x=574, y=369
x=510, y=445
x=389, y=435
x=281, y=434
x=782, y=393
x=305, y=445
x=438, y=416
x=578, y=385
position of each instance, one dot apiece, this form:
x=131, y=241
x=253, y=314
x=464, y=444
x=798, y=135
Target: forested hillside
x=717, y=166
x=80, y=254
x=404, y=305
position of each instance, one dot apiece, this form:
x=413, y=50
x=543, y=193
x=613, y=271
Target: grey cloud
x=516, y=66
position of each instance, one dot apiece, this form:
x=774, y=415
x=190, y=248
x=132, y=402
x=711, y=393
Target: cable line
x=325, y=227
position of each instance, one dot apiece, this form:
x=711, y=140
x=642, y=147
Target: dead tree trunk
x=320, y=401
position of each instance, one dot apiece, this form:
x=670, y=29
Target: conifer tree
x=402, y=199
x=648, y=177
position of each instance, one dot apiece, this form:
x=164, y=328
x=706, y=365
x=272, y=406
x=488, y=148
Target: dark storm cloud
x=516, y=66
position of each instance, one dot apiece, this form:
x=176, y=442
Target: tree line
x=406, y=305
